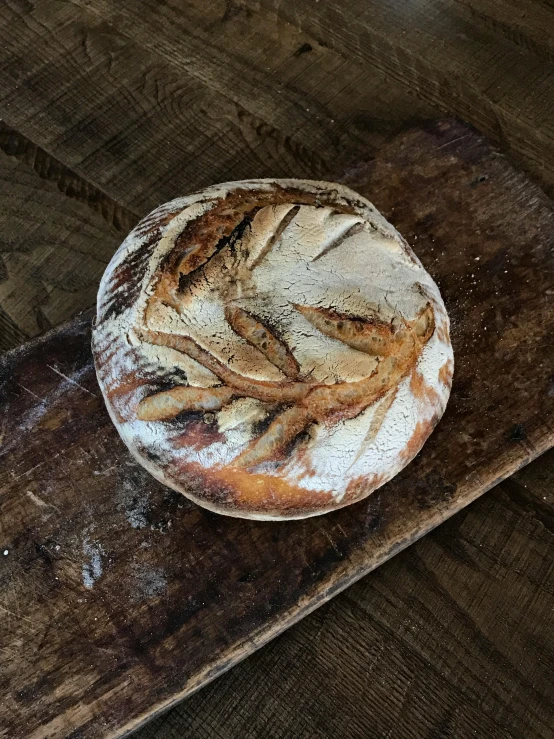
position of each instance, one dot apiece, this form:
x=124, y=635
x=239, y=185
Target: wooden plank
x=525, y=27
x=451, y=638
x=118, y=127
x=68, y=183
x=505, y=19
x=146, y=117
x=438, y=53
x=53, y=247
x=148, y=73
x=148, y=597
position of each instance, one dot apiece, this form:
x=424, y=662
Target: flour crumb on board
x=148, y=581
x=92, y=567
x=134, y=502
x=44, y=405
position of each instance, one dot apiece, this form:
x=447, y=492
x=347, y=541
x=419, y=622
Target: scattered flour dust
x=134, y=502
x=58, y=394
x=92, y=566
x=148, y=581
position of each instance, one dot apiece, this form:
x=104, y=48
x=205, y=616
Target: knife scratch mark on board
x=70, y=380
x=41, y=503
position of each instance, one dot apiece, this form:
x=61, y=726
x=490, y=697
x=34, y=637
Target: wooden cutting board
x=118, y=597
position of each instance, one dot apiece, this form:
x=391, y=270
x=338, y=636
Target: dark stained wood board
x=450, y=639
x=120, y=597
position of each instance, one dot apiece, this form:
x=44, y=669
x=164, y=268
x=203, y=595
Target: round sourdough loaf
x=272, y=349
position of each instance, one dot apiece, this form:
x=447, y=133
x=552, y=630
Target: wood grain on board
x=147, y=99
x=452, y=638
x=53, y=247
x=120, y=596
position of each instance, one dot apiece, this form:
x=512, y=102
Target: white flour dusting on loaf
x=271, y=348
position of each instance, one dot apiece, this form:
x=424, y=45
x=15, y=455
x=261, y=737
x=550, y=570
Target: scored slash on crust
x=396, y=344
x=308, y=402
x=251, y=328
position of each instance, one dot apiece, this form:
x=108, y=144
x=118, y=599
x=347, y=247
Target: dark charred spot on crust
x=165, y=379
x=150, y=379
x=198, y=434
x=240, y=229
x=178, y=376
x=299, y=440
x=260, y=427
x=270, y=325
x=203, y=257
x=149, y=453
x=183, y=281
x=183, y=419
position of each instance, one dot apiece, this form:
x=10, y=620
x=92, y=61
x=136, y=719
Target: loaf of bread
x=272, y=349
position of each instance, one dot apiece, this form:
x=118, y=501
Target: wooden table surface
x=112, y=106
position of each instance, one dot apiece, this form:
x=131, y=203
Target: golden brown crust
x=271, y=445
x=446, y=372
x=420, y=434
x=237, y=489
x=361, y=486
x=170, y=403
x=261, y=389
x=370, y=336
x=252, y=329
